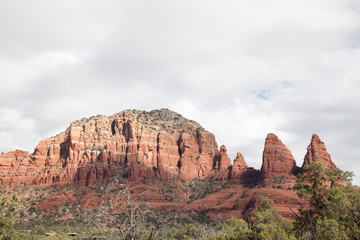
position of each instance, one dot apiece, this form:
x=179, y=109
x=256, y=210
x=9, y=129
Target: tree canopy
x=9, y=207
x=334, y=211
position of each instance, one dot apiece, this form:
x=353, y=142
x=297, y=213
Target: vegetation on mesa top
x=159, y=119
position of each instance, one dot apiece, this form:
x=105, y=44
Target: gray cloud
x=241, y=69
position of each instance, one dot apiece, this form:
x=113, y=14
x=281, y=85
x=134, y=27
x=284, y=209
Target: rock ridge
x=158, y=143
x=140, y=144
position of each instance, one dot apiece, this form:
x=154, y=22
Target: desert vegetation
x=333, y=212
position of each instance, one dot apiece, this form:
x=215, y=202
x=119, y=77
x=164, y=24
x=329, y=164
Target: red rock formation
x=223, y=162
x=222, y=165
x=16, y=167
x=197, y=152
x=316, y=152
x=277, y=158
x=239, y=162
x=161, y=142
x=241, y=173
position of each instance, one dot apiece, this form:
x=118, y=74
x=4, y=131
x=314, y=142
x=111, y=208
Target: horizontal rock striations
x=158, y=143
x=141, y=144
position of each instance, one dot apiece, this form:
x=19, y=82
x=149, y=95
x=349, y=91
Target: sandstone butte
x=164, y=145
x=277, y=158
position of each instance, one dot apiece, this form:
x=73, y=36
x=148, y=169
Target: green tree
x=234, y=229
x=266, y=223
x=9, y=209
x=334, y=211
x=186, y=232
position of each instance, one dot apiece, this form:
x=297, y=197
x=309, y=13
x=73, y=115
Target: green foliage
x=9, y=208
x=201, y=216
x=264, y=224
x=334, y=211
x=186, y=232
x=233, y=229
x=265, y=204
x=200, y=188
x=62, y=228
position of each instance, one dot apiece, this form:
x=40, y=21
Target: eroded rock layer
x=154, y=145
x=139, y=145
x=159, y=143
x=316, y=152
x=240, y=171
x=277, y=158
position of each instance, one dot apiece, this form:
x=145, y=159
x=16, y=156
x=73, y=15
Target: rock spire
x=316, y=152
x=277, y=158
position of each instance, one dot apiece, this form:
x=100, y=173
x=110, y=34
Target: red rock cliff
x=316, y=152
x=277, y=158
x=241, y=173
x=157, y=143
x=143, y=144
x=223, y=161
x=239, y=162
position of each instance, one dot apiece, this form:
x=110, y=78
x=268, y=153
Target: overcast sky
x=241, y=69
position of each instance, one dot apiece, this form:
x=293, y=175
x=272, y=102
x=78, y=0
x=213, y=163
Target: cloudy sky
x=241, y=69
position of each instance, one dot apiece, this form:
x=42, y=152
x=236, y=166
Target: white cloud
x=16, y=132
x=55, y=59
x=240, y=68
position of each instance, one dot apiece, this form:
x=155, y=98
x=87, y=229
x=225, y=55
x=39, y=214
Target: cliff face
x=316, y=152
x=159, y=143
x=277, y=158
x=239, y=162
x=140, y=144
x=223, y=161
x=241, y=173
x=165, y=145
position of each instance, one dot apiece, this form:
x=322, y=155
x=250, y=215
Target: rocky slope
x=163, y=145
